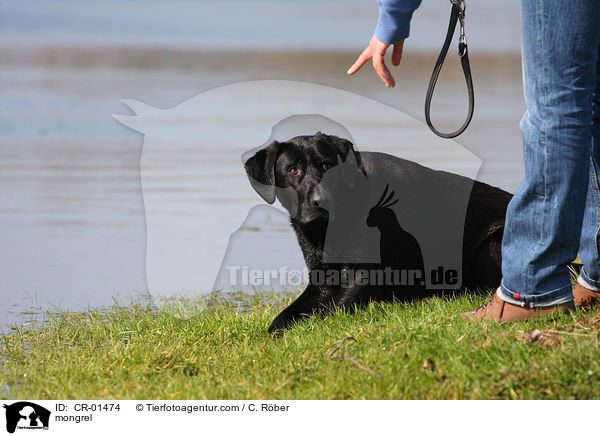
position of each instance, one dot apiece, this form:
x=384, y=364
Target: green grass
x=213, y=348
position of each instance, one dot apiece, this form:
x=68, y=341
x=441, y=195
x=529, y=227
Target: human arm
x=393, y=27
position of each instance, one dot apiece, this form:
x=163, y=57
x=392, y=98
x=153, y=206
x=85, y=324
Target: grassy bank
x=214, y=348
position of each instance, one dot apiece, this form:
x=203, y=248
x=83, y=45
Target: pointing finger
x=362, y=59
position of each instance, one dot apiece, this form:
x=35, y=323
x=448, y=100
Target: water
x=264, y=24
x=72, y=218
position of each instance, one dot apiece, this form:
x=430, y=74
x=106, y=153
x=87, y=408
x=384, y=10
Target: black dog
x=331, y=190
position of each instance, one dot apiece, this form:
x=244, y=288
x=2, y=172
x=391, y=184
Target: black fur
x=272, y=173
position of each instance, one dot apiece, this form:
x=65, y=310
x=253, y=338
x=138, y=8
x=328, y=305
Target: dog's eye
x=294, y=171
x=327, y=165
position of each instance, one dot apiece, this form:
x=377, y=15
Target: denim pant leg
x=589, y=247
x=543, y=224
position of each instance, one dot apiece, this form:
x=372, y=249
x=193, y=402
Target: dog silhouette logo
x=204, y=226
x=26, y=415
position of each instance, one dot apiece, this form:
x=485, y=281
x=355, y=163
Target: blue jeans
x=556, y=209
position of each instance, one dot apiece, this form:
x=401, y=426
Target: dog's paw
x=278, y=325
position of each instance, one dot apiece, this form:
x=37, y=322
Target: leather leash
x=457, y=15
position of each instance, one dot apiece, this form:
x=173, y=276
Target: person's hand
x=376, y=50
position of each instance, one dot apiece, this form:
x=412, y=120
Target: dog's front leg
x=312, y=300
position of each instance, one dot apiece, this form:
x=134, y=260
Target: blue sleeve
x=394, y=19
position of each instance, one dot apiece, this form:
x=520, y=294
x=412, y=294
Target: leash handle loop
x=457, y=15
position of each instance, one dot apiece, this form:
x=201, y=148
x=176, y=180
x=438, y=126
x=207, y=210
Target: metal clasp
x=462, y=8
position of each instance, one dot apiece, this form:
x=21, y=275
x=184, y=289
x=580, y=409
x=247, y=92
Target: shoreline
x=183, y=58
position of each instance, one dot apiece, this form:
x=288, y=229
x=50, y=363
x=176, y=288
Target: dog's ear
x=260, y=169
x=339, y=145
x=349, y=169
x=343, y=148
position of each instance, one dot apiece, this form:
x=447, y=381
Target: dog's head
x=292, y=171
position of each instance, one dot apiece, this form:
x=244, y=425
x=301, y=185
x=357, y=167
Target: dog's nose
x=316, y=199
